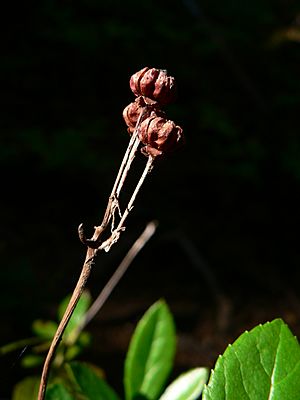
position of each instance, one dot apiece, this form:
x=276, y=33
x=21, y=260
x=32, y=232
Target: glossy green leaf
x=44, y=329
x=188, y=386
x=90, y=382
x=263, y=364
x=78, y=314
x=58, y=392
x=27, y=389
x=151, y=353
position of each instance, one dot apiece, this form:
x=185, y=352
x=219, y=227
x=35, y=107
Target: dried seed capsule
x=155, y=84
x=147, y=82
x=132, y=112
x=160, y=136
x=134, y=82
x=165, y=90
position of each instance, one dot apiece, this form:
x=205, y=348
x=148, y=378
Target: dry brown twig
x=148, y=126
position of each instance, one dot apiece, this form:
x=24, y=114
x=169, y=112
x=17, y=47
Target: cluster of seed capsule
x=153, y=89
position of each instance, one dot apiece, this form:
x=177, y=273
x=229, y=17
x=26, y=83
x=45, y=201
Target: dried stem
x=126, y=164
x=106, y=245
x=162, y=135
x=117, y=275
x=113, y=200
x=86, y=269
x=92, y=251
x=129, y=155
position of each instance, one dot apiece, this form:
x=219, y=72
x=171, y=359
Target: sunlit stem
x=116, y=233
x=128, y=156
x=113, y=202
x=115, y=278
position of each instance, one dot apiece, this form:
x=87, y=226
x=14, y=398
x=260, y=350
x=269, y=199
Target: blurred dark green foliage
x=234, y=188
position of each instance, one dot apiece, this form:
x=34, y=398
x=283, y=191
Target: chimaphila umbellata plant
x=157, y=136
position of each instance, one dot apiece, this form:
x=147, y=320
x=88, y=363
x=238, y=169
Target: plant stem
x=113, y=200
x=106, y=245
x=117, y=275
x=91, y=252
x=123, y=171
x=129, y=155
x=85, y=273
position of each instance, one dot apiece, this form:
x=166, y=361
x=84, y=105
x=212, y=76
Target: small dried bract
x=155, y=84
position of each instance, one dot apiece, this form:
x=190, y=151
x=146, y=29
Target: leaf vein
x=274, y=367
x=240, y=366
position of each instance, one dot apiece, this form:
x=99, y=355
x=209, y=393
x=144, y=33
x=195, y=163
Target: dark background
x=225, y=255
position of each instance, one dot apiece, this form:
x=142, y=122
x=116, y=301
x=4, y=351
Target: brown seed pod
x=160, y=136
x=147, y=82
x=132, y=112
x=155, y=84
x=134, y=81
x=165, y=90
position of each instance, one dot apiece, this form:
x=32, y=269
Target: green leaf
x=151, y=353
x=263, y=364
x=72, y=352
x=84, y=339
x=19, y=344
x=32, y=360
x=188, y=386
x=58, y=392
x=27, y=389
x=44, y=329
x=78, y=314
x=89, y=382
